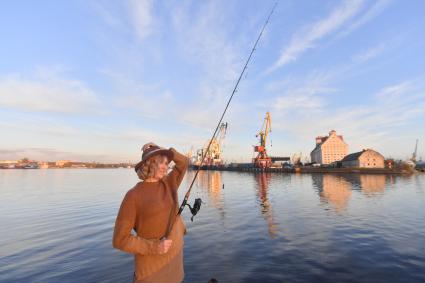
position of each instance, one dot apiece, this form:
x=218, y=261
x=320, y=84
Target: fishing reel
x=196, y=207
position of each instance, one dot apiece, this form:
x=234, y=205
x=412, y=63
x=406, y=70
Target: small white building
x=367, y=158
x=329, y=149
x=62, y=163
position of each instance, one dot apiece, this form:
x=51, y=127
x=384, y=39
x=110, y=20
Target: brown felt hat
x=151, y=149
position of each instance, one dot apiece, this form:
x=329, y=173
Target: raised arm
x=176, y=175
x=123, y=239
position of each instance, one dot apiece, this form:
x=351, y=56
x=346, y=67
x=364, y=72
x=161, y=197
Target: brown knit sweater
x=146, y=208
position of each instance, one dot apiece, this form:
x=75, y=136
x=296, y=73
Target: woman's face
x=162, y=168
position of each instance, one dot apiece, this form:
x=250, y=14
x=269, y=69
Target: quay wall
x=306, y=170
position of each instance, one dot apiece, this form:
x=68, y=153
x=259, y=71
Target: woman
x=150, y=208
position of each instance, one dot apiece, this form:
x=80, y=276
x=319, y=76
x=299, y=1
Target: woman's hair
x=149, y=168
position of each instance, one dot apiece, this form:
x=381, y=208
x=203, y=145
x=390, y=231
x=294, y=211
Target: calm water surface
x=56, y=226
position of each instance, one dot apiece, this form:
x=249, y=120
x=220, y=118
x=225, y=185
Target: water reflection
x=58, y=226
x=333, y=189
x=211, y=183
x=263, y=182
x=372, y=184
x=336, y=189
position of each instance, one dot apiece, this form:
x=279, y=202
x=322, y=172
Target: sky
x=95, y=80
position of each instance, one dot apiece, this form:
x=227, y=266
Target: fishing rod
x=197, y=204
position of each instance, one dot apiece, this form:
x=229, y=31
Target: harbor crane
x=413, y=159
x=262, y=160
x=213, y=156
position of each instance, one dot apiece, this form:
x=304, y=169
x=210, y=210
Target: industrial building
x=367, y=158
x=329, y=149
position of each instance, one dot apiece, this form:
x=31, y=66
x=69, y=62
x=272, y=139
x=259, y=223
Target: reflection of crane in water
x=213, y=156
x=210, y=182
x=263, y=180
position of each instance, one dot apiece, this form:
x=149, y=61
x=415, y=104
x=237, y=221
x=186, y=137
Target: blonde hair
x=150, y=167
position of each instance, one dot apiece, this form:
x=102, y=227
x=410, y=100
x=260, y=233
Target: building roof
x=353, y=156
x=356, y=155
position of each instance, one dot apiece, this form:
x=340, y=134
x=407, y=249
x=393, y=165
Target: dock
x=302, y=170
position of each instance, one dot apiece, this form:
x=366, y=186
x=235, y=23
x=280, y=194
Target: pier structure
x=248, y=167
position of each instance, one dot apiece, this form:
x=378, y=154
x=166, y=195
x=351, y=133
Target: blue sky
x=95, y=80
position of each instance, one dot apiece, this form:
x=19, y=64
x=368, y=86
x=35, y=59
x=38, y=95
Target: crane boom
x=265, y=129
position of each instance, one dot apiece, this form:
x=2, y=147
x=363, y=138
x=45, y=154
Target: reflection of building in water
x=371, y=184
x=210, y=181
x=334, y=190
x=368, y=183
x=263, y=180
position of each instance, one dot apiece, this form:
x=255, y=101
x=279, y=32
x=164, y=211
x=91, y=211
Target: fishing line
x=197, y=205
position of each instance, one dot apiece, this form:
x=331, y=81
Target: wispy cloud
x=51, y=127
x=369, y=53
x=308, y=92
x=208, y=34
x=159, y=108
x=47, y=92
x=304, y=95
x=135, y=18
x=146, y=100
x=107, y=15
x=340, y=22
x=112, y=143
x=141, y=12
x=50, y=154
x=305, y=109
x=204, y=37
x=201, y=36
x=307, y=38
x=365, y=125
x=378, y=7
x=393, y=93
x=172, y=65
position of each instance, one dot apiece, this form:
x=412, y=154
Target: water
x=56, y=225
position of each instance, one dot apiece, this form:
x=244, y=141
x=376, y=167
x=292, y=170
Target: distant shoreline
x=71, y=168
x=308, y=170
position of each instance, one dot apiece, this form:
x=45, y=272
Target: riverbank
x=306, y=170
